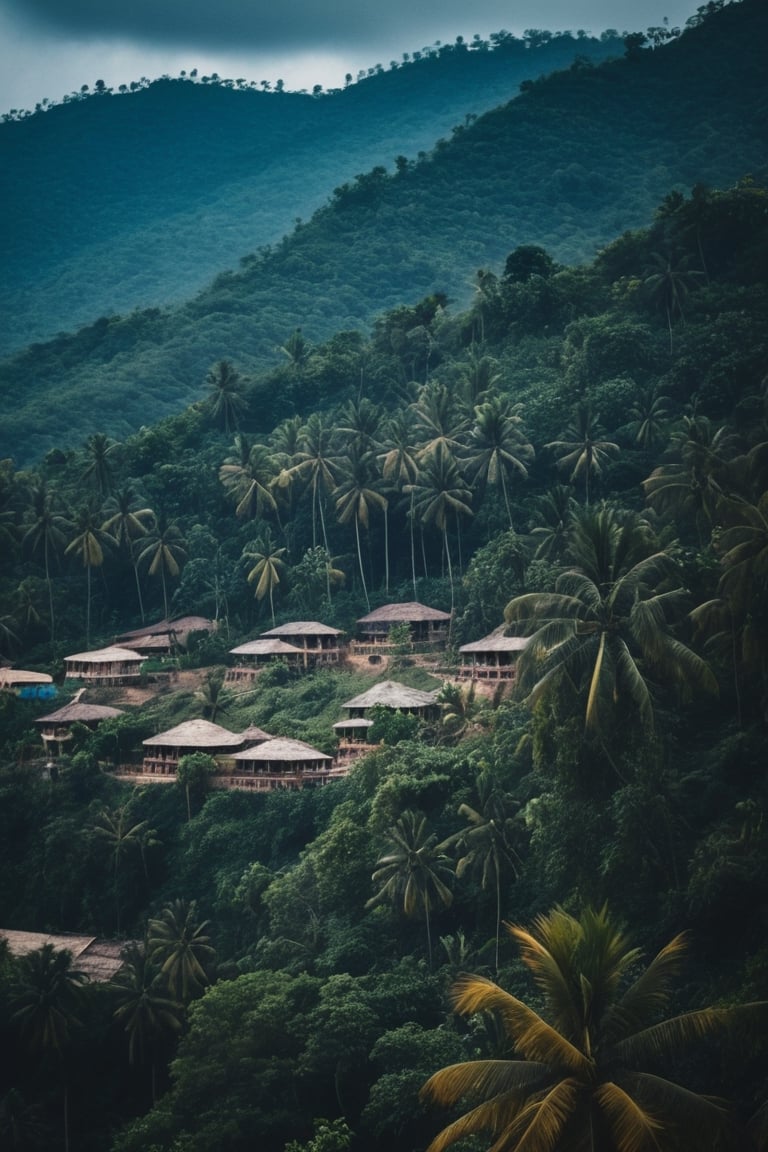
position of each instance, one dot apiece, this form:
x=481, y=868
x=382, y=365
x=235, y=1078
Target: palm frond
x=533, y=1038
x=632, y=1127
x=483, y=1078
x=648, y=995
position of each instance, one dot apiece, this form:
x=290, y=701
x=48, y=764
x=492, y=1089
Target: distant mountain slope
x=577, y=159
x=117, y=201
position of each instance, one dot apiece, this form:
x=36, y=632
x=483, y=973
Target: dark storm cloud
x=276, y=25
x=271, y=24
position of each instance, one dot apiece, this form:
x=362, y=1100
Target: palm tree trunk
x=360, y=562
x=386, y=550
x=88, y=606
x=138, y=590
x=50, y=599
x=413, y=550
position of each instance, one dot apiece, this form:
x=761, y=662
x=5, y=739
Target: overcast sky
x=51, y=47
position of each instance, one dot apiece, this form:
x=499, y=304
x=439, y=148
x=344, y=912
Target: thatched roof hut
x=390, y=694
x=492, y=658
x=98, y=959
x=319, y=643
x=112, y=665
x=166, y=635
x=164, y=750
x=56, y=727
x=281, y=762
x=427, y=625
x=28, y=685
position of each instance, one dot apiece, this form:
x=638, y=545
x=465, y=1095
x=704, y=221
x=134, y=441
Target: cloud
x=284, y=25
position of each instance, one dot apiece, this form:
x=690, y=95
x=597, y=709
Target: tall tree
x=226, y=400
x=605, y=630
x=268, y=568
x=127, y=522
x=497, y=448
x=415, y=874
x=486, y=847
x=46, y=1007
x=121, y=838
x=358, y=493
x=90, y=540
x=143, y=1008
x=578, y=1076
x=581, y=452
x=439, y=493
x=46, y=532
x=100, y=451
x=177, y=940
x=248, y=476
x=163, y=552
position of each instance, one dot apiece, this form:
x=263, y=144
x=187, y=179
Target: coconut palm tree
x=88, y=544
x=100, y=449
x=121, y=838
x=398, y=461
x=177, y=941
x=486, y=846
x=437, y=425
x=248, y=476
x=668, y=283
x=606, y=628
x=577, y=1075
x=357, y=494
x=581, y=452
x=227, y=404
x=47, y=533
x=143, y=1007
x=439, y=493
x=415, y=874
x=46, y=1008
x=127, y=523
x=318, y=465
x=554, y=512
x=497, y=448
x=212, y=695
x=649, y=414
x=692, y=483
x=268, y=568
x=163, y=552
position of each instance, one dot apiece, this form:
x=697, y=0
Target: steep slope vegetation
x=576, y=159
x=114, y=201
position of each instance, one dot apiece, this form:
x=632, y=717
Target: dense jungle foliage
x=576, y=159
x=107, y=206
x=580, y=455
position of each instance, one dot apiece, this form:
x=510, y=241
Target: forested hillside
x=580, y=457
x=576, y=159
x=112, y=201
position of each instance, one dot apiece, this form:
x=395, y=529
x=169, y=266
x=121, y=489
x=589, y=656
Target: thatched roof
x=410, y=612
x=303, y=628
x=98, y=959
x=390, y=694
x=10, y=677
x=281, y=748
x=195, y=734
x=494, y=643
x=254, y=735
x=83, y=712
x=266, y=648
x=360, y=722
x=111, y=655
x=180, y=627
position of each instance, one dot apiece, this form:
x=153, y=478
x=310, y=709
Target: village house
x=319, y=643
x=492, y=658
x=255, y=654
x=56, y=727
x=390, y=694
x=107, y=666
x=163, y=751
x=353, y=738
x=99, y=960
x=166, y=636
x=27, y=685
x=427, y=626
x=279, y=763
